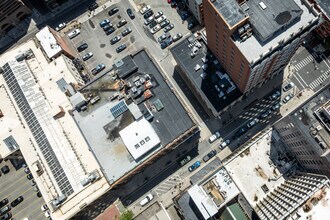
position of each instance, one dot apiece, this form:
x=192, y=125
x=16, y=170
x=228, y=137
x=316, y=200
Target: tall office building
x=254, y=40
x=306, y=133
x=12, y=12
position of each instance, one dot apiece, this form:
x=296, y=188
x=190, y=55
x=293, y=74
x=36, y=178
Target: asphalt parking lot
x=99, y=43
x=15, y=184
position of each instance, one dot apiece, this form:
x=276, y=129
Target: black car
x=113, y=11
x=165, y=23
x=192, y=24
x=209, y=155
x=153, y=24
x=82, y=47
x=127, y=31
x=39, y=194
x=3, y=202
x=5, y=209
x=121, y=23
x=110, y=31
x=17, y=201
x=107, y=27
x=130, y=13
x=29, y=176
x=5, y=169
x=115, y=40
x=93, y=6
x=148, y=14
x=240, y=132
x=121, y=48
x=7, y=216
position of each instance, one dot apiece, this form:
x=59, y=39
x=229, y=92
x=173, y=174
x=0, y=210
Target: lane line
x=299, y=81
x=302, y=79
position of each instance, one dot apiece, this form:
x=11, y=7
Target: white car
x=224, y=144
x=158, y=14
x=155, y=29
x=145, y=9
x=148, y=20
x=146, y=200
x=60, y=26
x=252, y=123
x=161, y=19
x=214, y=137
x=44, y=207
x=47, y=214
x=74, y=33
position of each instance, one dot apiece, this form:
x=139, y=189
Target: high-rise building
x=12, y=12
x=196, y=8
x=254, y=40
x=306, y=133
x=323, y=5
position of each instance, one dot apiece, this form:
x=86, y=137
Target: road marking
x=302, y=79
x=325, y=59
x=299, y=81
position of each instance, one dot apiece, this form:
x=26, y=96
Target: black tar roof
x=206, y=86
x=230, y=11
x=277, y=14
x=172, y=120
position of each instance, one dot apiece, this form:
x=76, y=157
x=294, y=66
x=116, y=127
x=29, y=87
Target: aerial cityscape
x=165, y=109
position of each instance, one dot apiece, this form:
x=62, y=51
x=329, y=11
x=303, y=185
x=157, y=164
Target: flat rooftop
x=101, y=128
x=313, y=119
x=268, y=22
x=230, y=11
x=325, y=5
x=213, y=193
x=215, y=87
x=256, y=165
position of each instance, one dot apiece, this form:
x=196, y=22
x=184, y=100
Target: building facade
x=12, y=12
x=196, y=8
x=255, y=40
x=306, y=133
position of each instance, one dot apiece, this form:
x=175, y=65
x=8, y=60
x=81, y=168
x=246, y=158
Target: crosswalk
x=319, y=80
x=166, y=185
x=305, y=61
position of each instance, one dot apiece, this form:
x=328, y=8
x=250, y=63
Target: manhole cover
x=91, y=24
x=108, y=55
x=132, y=39
x=119, y=16
x=102, y=45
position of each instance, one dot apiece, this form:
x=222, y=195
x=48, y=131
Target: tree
x=127, y=215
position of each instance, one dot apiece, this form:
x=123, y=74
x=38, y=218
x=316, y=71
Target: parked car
x=168, y=28
x=158, y=14
x=104, y=22
x=185, y=160
x=32, y=183
x=184, y=16
x=17, y=201
x=194, y=166
x=224, y=144
x=288, y=98
x=127, y=31
x=5, y=209
x=148, y=14
x=288, y=86
x=145, y=9
x=27, y=170
x=113, y=11
x=44, y=207
x=82, y=47
x=115, y=40
x=174, y=4
x=3, y=202
x=121, y=23
x=60, y=26
x=152, y=24
x=146, y=200
x=166, y=43
x=148, y=20
x=93, y=6
x=5, y=169
x=29, y=176
x=265, y=114
x=130, y=13
x=87, y=56
x=155, y=29
x=276, y=106
x=107, y=27
x=214, y=137
x=121, y=48
x=164, y=23
x=110, y=31
x=275, y=95
x=74, y=33
x=6, y=216
x=163, y=37
x=161, y=19
x=192, y=24
x=98, y=69
x=208, y=156
x=252, y=123
x=177, y=37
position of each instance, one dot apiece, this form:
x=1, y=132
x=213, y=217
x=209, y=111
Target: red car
x=169, y=1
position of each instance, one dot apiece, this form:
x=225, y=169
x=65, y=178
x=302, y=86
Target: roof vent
x=262, y=5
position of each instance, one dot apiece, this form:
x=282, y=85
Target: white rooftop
x=210, y=195
x=252, y=48
x=139, y=138
x=48, y=42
